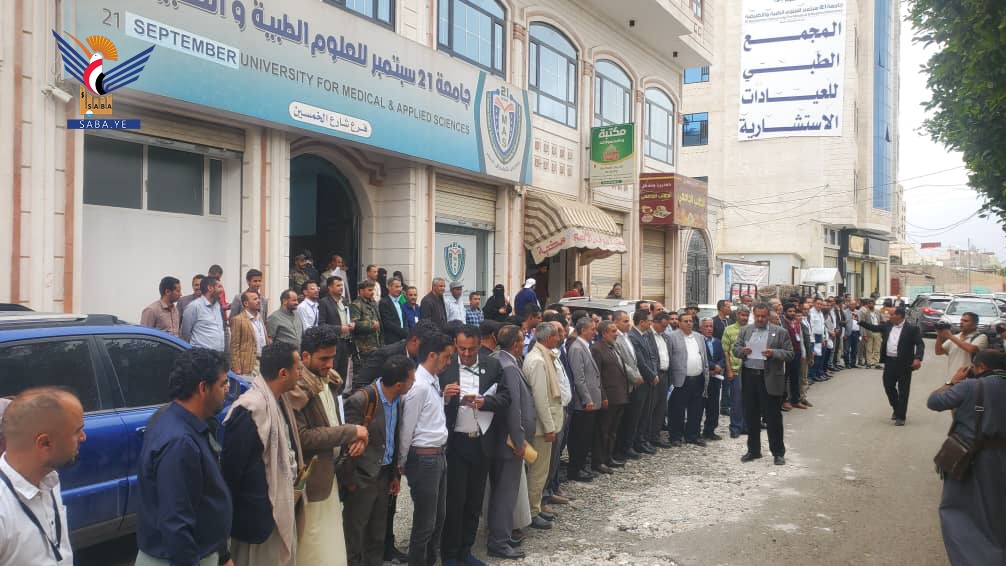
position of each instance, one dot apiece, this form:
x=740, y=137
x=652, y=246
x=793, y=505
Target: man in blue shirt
x=185, y=506
x=202, y=321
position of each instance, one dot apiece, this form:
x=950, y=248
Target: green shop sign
x=612, y=155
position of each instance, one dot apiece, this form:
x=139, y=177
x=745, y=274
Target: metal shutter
x=652, y=268
x=606, y=272
x=466, y=202
x=179, y=127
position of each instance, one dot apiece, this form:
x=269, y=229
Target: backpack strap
x=371, y=407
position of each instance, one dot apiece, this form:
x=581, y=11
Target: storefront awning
x=553, y=224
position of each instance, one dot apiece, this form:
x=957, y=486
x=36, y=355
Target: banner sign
x=792, y=69
x=310, y=65
x=671, y=199
x=612, y=155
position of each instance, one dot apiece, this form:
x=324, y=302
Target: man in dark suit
x=467, y=458
x=516, y=424
x=370, y=479
x=331, y=310
x=641, y=402
x=393, y=323
x=763, y=381
x=432, y=307
x=616, y=390
x=717, y=369
x=901, y=352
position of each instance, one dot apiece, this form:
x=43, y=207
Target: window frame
x=493, y=19
x=671, y=127
x=341, y=4
x=685, y=123
x=696, y=6
x=703, y=75
x=535, y=88
x=599, y=78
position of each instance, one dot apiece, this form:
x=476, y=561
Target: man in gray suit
x=588, y=398
x=517, y=424
x=689, y=374
x=630, y=419
x=765, y=349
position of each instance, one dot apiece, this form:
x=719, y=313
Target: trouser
x=389, y=528
x=427, y=475
x=873, y=349
x=793, y=377
x=552, y=486
x=504, y=475
x=630, y=420
x=144, y=559
x=659, y=415
x=537, y=473
x=467, y=472
x=897, y=385
x=606, y=428
x=726, y=396
x=686, y=406
x=861, y=350
x=817, y=370
x=581, y=435
x=804, y=383
x=364, y=518
x=646, y=414
x=712, y=406
x=851, y=347
x=737, y=423
x=758, y=402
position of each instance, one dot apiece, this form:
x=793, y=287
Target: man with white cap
x=525, y=297
x=455, y=305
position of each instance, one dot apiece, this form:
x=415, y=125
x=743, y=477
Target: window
x=696, y=75
x=182, y=182
x=59, y=363
x=697, y=8
x=552, y=74
x=612, y=95
x=142, y=366
x=695, y=130
x=380, y=11
x=658, y=137
x=473, y=31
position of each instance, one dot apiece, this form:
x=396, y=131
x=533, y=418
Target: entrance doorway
x=697, y=278
x=324, y=215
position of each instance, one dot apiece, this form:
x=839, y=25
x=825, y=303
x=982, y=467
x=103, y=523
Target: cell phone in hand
x=468, y=400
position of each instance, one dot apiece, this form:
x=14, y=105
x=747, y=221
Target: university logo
x=503, y=119
x=97, y=84
x=454, y=260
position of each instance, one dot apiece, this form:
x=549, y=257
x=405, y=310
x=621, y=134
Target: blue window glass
x=696, y=75
x=552, y=76
x=473, y=31
x=379, y=11
x=695, y=130
x=612, y=94
x=883, y=108
x=658, y=133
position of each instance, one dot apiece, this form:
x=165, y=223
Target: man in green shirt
x=732, y=388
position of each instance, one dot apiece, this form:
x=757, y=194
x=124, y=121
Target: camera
x=942, y=325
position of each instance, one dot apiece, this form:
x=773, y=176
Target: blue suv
x=120, y=373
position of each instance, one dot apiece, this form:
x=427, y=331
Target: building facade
x=795, y=127
x=447, y=137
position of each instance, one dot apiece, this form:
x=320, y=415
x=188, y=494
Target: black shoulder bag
x=956, y=455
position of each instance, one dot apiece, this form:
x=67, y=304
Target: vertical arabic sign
x=792, y=67
x=612, y=155
x=667, y=199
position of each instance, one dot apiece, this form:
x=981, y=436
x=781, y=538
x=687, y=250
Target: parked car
x=926, y=311
x=989, y=311
x=120, y=373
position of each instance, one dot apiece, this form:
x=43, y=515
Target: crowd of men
x=472, y=404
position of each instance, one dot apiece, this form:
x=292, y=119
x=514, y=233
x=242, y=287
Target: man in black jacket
x=393, y=323
x=467, y=457
x=432, y=307
x=332, y=310
x=371, y=366
x=901, y=352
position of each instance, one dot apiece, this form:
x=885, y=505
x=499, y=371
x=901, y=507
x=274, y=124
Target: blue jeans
x=851, y=348
x=737, y=423
x=726, y=396
x=817, y=370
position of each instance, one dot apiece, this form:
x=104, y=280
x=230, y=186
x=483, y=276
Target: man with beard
x=185, y=507
x=43, y=429
x=433, y=307
x=283, y=324
x=203, y=321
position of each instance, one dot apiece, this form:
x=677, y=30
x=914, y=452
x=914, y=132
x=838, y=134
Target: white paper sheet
x=485, y=418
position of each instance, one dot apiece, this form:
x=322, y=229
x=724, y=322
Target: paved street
x=856, y=490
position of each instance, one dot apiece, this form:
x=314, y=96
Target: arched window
x=658, y=137
x=552, y=74
x=612, y=94
x=473, y=31
x=380, y=11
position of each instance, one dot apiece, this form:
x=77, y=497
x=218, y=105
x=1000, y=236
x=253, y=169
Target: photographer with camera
x=960, y=349
x=973, y=507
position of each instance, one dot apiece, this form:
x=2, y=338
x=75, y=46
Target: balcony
x=665, y=26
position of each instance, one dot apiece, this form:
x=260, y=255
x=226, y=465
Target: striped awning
x=553, y=224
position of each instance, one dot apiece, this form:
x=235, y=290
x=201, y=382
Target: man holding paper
x=468, y=416
x=764, y=349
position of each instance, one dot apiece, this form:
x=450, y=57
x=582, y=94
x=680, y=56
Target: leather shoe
x=580, y=477
x=677, y=443
x=602, y=469
x=613, y=463
x=800, y=406
x=547, y=516
x=662, y=444
x=787, y=406
x=516, y=541
x=696, y=442
x=712, y=436
x=643, y=449
x=734, y=434
x=507, y=552
x=749, y=457
x=650, y=447
x=806, y=402
x=396, y=556
x=632, y=454
x=779, y=460
x=556, y=500
x=540, y=523
x=899, y=422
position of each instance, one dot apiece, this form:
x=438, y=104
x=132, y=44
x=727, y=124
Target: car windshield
x=938, y=304
x=981, y=308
